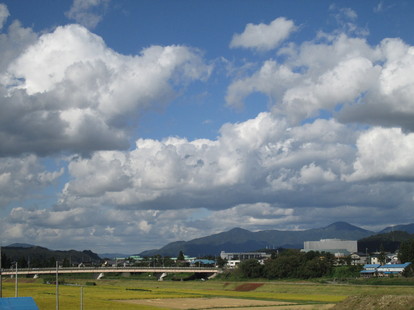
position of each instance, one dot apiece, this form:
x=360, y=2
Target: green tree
x=5, y=261
x=382, y=257
x=251, y=268
x=313, y=268
x=66, y=262
x=343, y=272
x=22, y=262
x=284, y=266
x=221, y=262
x=406, y=252
x=52, y=262
x=167, y=262
x=180, y=256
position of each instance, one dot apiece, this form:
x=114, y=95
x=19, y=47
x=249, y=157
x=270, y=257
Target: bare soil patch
x=383, y=302
x=207, y=303
x=224, y=304
x=247, y=287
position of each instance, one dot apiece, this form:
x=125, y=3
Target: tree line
x=312, y=264
x=289, y=264
x=22, y=262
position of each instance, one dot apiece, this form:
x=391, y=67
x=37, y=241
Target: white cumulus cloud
x=264, y=37
x=4, y=14
x=88, y=13
x=21, y=177
x=384, y=154
x=69, y=80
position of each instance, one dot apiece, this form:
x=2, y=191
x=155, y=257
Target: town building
x=243, y=255
x=371, y=270
x=340, y=248
x=359, y=258
x=234, y=258
x=392, y=269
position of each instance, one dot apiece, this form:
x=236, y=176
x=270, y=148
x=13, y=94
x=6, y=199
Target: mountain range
x=241, y=240
x=38, y=256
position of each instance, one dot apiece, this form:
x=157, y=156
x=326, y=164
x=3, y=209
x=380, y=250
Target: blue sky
x=125, y=125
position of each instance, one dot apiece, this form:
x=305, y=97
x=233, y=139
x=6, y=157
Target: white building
x=392, y=269
x=243, y=255
x=336, y=246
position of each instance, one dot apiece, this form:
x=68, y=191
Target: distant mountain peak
x=342, y=226
x=20, y=245
x=238, y=229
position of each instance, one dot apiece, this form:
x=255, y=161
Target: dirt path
x=224, y=303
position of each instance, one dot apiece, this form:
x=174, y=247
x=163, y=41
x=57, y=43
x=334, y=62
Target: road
x=61, y=270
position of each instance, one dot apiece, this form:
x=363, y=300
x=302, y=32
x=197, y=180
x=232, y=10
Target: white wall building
x=336, y=246
x=243, y=255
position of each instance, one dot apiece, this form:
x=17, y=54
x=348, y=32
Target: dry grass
x=382, y=302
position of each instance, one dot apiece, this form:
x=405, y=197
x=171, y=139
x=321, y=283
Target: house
x=370, y=270
x=202, y=262
x=233, y=263
x=243, y=255
x=392, y=269
x=359, y=258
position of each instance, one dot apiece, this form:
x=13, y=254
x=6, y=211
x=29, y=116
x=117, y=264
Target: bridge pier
x=161, y=276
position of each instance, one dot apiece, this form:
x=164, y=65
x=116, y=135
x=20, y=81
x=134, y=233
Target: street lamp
x=16, y=287
x=81, y=298
x=57, y=285
x=1, y=279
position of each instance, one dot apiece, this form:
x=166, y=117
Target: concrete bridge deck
x=61, y=270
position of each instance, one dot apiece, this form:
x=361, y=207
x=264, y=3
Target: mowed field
x=146, y=294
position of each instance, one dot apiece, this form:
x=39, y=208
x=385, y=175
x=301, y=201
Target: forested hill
x=241, y=240
x=388, y=242
x=36, y=256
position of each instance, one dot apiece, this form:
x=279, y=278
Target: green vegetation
x=39, y=257
x=108, y=294
x=389, y=241
x=288, y=264
x=406, y=253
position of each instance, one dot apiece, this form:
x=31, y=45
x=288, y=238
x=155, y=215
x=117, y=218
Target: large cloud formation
x=67, y=91
x=336, y=142
x=340, y=74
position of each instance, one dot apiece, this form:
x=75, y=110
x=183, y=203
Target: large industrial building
x=335, y=246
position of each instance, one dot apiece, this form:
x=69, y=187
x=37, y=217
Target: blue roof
x=396, y=265
x=204, y=261
x=18, y=303
x=372, y=265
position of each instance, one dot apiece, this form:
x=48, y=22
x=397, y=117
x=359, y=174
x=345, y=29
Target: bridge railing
x=107, y=269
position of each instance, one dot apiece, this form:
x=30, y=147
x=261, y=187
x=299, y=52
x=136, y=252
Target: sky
x=126, y=125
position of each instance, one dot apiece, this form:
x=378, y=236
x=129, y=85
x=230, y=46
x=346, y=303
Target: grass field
x=130, y=293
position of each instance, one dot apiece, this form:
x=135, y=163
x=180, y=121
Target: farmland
x=133, y=293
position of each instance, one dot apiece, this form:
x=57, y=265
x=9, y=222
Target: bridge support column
x=161, y=276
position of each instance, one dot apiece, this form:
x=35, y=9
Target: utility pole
x=57, y=285
x=81, y=298
x=16, y=286
x=1, y=279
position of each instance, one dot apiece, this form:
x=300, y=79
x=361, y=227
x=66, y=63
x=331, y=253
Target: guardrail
x=21, y=271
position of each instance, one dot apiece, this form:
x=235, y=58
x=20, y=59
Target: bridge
x=62, y=270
